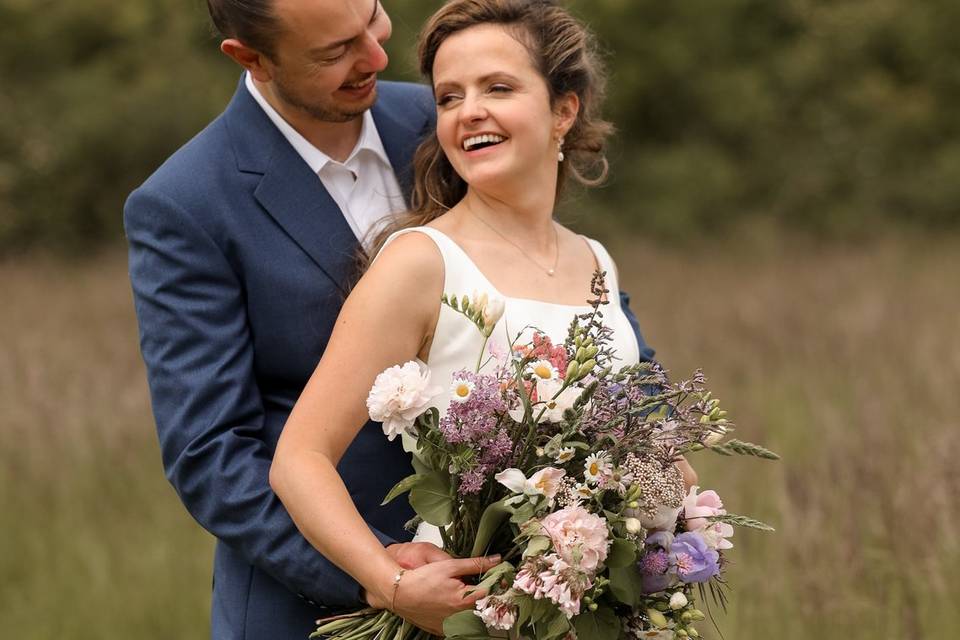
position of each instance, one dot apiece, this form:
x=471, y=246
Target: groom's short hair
x=252, y=22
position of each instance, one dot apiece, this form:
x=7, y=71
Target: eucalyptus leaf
x=432, y=499
x=536, y=546
x=402, y=487
x=557, y=626
x=602, y=624
x=493, y=516
x=626, y=584
x=622, y=553
x=464, y=624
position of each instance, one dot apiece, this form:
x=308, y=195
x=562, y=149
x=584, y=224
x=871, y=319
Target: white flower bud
x=678, y=600
x=633, y=526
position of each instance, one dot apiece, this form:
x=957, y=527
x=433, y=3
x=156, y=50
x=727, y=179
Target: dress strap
x=456, y=270
x=607, y=265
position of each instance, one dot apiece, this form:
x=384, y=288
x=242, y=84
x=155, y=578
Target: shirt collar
x=369, y=137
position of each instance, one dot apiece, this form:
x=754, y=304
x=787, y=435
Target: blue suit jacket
x=240, y=261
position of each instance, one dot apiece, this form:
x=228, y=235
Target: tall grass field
x=845, y=360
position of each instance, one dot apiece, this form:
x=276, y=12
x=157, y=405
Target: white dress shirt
x=364, y=187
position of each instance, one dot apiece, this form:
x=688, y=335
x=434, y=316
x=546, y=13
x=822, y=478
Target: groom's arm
x=646, y=353
x=197, y=346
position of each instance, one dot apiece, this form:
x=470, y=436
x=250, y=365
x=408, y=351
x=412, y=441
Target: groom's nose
x=374, y=58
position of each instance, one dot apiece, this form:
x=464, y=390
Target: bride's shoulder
x=408, y=257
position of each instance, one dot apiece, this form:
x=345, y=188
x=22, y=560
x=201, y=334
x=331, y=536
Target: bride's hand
x=431, y=593
x=411, y=555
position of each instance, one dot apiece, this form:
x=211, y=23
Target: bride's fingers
x=470, y=566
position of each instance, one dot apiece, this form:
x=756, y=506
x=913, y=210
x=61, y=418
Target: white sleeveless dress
x=457, y=343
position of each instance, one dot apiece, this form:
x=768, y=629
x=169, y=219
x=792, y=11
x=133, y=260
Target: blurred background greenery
x=784, y=207
x=834, y=117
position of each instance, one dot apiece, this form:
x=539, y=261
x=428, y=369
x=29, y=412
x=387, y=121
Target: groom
x=242, y=249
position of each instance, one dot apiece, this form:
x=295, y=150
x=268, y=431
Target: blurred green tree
x=833, y=117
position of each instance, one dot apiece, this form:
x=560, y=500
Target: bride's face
x=494, y=118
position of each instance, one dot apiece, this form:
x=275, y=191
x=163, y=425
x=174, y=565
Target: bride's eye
x=500, y=88
x=446, y=98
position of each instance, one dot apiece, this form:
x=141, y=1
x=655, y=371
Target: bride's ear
x=565, y=111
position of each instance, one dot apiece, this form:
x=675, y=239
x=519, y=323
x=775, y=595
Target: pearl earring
x=559, y=149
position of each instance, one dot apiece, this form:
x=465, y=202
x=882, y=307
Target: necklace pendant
x=550, y=272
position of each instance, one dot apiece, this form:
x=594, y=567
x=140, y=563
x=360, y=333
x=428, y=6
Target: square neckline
x=466, y=256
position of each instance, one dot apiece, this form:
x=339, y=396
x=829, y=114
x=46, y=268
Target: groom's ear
x=250, y=59
x=565, y=111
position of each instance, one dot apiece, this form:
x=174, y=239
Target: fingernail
x=494, y=558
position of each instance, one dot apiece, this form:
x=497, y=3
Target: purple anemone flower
x=692, y=559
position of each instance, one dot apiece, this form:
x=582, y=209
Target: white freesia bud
x=492, y=312
x=633, y=526
x=678, y=600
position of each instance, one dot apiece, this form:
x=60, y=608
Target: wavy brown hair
x=565, y=54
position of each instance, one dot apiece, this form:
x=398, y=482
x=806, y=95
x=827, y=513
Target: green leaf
x=557, y=627
x=464, y=624
x=493, y=516
x=522, y=513
x=493, y=576
x=541, y=609
x=432, y=499
x=601, y=624
x=626, y=585
x=524, y=609
x=402, y=487
x=536, y=546
x=622, y=553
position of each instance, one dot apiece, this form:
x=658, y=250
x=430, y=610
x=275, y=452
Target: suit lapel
x=400, y=135
x=295, y=197
x=289, y=191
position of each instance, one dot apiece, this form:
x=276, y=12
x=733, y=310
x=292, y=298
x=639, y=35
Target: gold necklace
x=556, y=239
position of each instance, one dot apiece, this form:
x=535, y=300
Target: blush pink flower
x=399, y=395
x=496, y=612
x=696, y=508
x=579, y=536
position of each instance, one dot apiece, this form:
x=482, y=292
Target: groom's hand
x=411, y=555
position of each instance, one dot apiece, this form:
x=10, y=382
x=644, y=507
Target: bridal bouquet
x=564, y=466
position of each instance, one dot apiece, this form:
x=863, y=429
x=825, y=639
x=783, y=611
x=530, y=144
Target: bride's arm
x=385, y=321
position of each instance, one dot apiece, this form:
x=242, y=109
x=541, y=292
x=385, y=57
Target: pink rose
x=696, y=508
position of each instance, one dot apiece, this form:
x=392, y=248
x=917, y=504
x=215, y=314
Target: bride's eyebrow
x=490, y=77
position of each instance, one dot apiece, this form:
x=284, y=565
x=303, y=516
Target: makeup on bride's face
x=494, y=120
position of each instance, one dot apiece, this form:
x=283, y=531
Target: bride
x=517, y=89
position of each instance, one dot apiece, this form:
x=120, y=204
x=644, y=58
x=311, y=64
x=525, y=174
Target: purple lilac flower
x=474, y=423
x=474, y=420
x=693, y=560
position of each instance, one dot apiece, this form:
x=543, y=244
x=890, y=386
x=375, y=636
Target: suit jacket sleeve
x=646, y=353
x=198, y=351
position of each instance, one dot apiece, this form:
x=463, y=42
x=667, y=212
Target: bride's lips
x=360, y=89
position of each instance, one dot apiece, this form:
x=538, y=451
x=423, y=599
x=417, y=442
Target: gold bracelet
x=396, y=588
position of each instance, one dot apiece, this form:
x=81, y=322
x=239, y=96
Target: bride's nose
x=472, y=109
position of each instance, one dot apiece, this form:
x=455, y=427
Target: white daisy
x=543, y=370
x=597, y=466
x=461, y=390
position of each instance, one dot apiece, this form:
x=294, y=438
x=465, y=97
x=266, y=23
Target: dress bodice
x=458, y=344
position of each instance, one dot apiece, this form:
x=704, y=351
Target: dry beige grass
x=845, y=360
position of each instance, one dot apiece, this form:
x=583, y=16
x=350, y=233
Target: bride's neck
x=528, y=216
